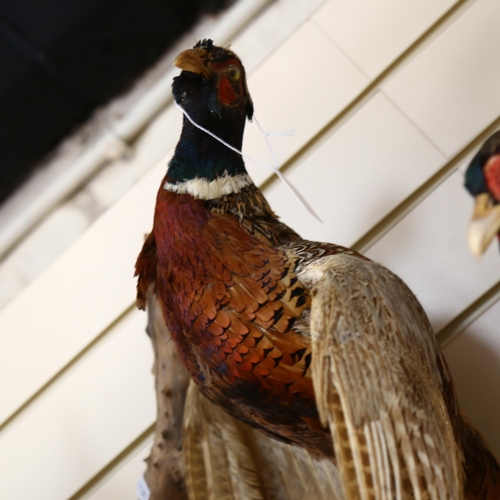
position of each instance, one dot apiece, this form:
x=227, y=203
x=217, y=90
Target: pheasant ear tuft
x=249, y=108
x=206, y=44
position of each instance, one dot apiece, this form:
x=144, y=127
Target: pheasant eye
x=234, y=72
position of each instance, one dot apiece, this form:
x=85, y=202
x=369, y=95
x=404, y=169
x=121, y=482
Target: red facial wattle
x=227, y=95
x=492, y=176
x=230, y=89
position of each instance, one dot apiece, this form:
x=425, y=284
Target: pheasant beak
x=485, y=224
x=195, y=61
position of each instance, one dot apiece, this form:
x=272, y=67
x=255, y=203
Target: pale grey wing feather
x=226, y=459
x=378, y=384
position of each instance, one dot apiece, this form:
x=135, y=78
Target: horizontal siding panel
x=451, y=89
x=301, y=86
x=122, y=484
x=263, y=37
x=34, y=255
x=84, y=420
x=474, y=361
x=428, y=250
x=357, y=174
x=375, y=32
x=150, y=149
x=75, y=299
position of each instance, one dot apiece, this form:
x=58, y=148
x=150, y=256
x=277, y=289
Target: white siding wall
x=387, y=99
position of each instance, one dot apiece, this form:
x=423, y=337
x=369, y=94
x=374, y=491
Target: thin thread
x=274, y=166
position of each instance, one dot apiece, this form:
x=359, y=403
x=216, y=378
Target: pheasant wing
x=377, y=380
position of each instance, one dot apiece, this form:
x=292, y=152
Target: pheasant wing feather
x=227, y=459
x=378, y=383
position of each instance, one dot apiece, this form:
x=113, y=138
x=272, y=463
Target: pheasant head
x=212, y=90
x=482, y=180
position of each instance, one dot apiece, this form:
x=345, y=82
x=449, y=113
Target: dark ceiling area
x=60, y=59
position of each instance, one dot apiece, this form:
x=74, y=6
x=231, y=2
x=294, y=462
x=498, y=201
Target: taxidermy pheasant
x=482, y=180
x=311, y=343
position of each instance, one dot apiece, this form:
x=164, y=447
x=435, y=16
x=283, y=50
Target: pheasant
x=311, y=343
x=482, y=180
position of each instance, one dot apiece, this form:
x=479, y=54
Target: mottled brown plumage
x=237, y=298
x=309, y=342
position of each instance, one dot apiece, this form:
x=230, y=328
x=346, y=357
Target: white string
x=267, y=134
x=274, y=166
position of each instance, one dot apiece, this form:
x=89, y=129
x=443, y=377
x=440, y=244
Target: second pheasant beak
x=194, y=60
x=485, y=224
